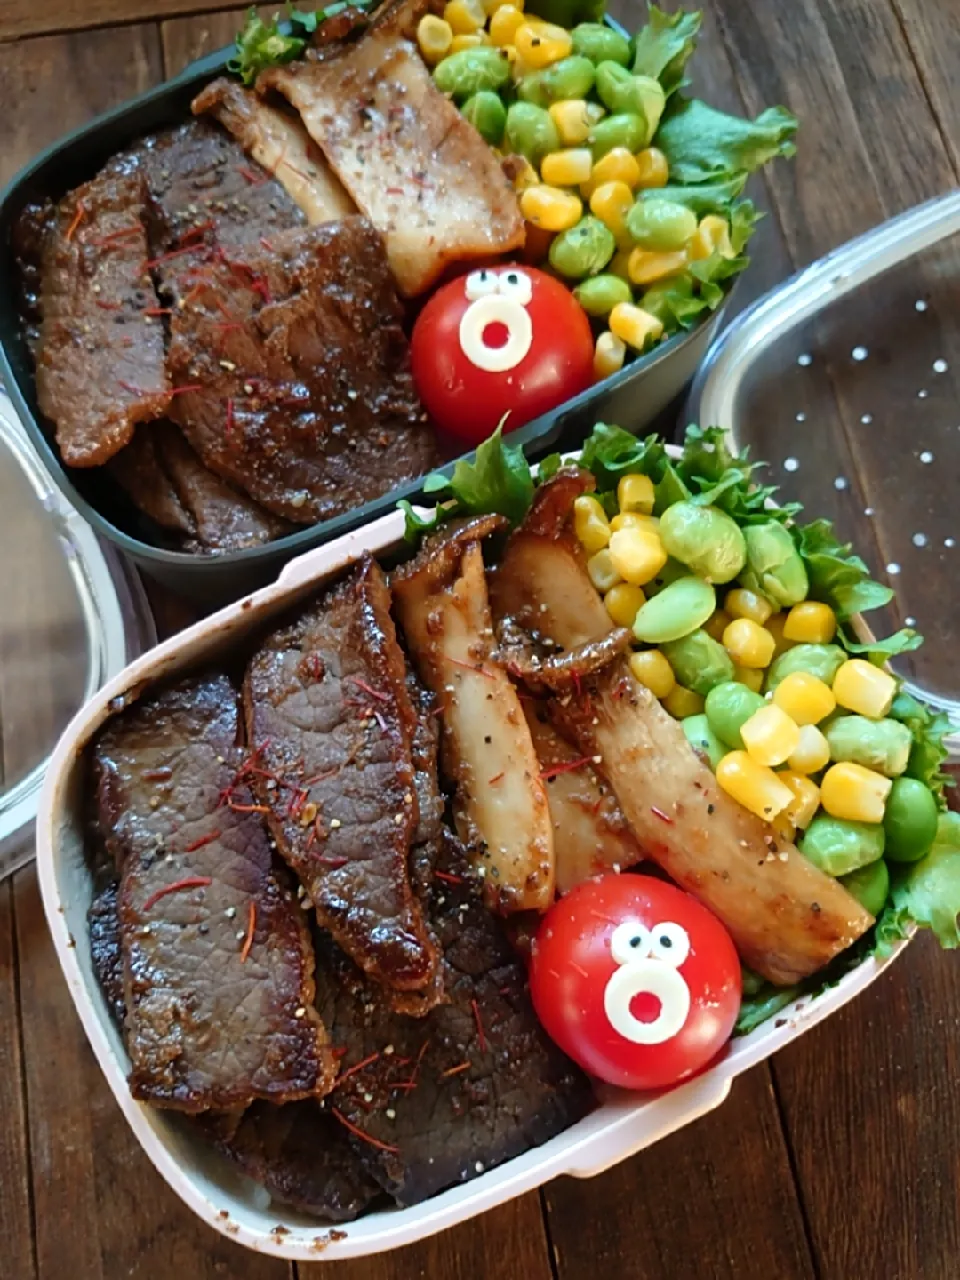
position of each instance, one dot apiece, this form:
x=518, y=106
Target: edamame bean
x=703, y=740
x=704, y=538
x=642, y=96
x=882, y=745
x=570, y=78
x=600, y=295
x=678, y=609
x=622, y=130
x=774, y=566
x=870, y=886
x=820, y=660
x=910, y=820
x=530, y=132
x=465, y=73
x=728, y=707
x=487, y=114
x=584, y=250
x=660, y=225
x=670, y=572
x=698, y=662
x=839, y=847
x=600, y=43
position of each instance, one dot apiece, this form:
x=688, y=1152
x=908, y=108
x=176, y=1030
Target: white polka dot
x=790, y=464
x=805, y=359
x=909, y=622
x=801, y=417
x=866, y=419
x=940, y=366
x=922, y=394
x=859, y=353
x=868, y=511
x=920, y=305
x=919, y=539
x=893, y=569
x=949, y=542
x=840, y=482
x=926, y=456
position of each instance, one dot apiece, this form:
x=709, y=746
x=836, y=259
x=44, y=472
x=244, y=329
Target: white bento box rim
x=621, y=1126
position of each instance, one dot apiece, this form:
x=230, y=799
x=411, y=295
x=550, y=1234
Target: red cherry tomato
x=635, y=980
x=502, y=340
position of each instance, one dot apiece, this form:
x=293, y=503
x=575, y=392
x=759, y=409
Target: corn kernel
x=465, y=16
x=566, y=168
x=810, y=623
x=861, y=687
x=741, y=603
x=601, y=572
x=783, y=827
x=753, y=785
x=493, y=7
x=623, y=602
x=812, y=752
x=770, y=736
x=434, y=38
x=711, y=236
x=635, y=493
x=590, y=523
x=681, y=702
x=646, y=267
x=854, y=793
x=638, y=556
x=774, y=625
x=618, y=165
x=752, y=677
x=611, y=202
x=806, y=798
x=634, y=326
x=574, y=118
x=608, y=355
x=620, y=263
x=748, y=644
x=653, y=170
x=716, y=624
x=505, y=23
x=635, y=520
x=473, y=40
x=526, y=176
x=651, y=669
x=551, y=208
x=542, y=44
x=804, y=697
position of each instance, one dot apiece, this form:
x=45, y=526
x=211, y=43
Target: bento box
x=620, y=1125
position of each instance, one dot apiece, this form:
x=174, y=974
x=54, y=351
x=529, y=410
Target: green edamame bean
x=839, y=847
x=774, y=565
x=600, y=43
x=870, y=886
x=882, y=745
x=670, y=572
x=600, y=295
x=465, y=73
x=642, y=96
x=728, y=707
x=703, y=740
x=910, y=820
x=584, y=250
x=530, y=131
x=820, y=660
x=570, y=78
x=660, y=225
x=704, y=538
x=487, y=114
x=622, y=130
x=698, y=662
x=678, y=609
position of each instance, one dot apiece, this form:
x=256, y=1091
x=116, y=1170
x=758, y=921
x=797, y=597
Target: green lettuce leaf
x=928, y=753
x=610, y=452
x=718, y=477
x=664, y=46
x=260, y=44
x=498, y=480
x=926, y=894
x=703, y=144
x=838, y=576
x=880, y=651
x=704, y=197
x=760, y=1005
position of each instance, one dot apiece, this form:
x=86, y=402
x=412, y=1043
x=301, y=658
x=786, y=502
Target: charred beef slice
x=105, y=952
x=438, y=1100
x=329, y=716
x=217, y=965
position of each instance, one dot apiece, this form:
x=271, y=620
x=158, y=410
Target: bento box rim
x=619, y=1127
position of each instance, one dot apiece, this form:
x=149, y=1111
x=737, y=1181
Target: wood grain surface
x=838, y=1161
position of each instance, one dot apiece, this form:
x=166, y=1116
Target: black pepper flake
x=710, y=808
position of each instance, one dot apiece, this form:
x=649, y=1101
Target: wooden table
x=840, y=1159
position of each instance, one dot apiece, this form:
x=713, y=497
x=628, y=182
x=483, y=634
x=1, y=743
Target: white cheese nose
x=495, y=309
x=647, y=977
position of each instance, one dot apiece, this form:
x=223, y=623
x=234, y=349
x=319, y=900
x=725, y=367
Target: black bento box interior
x=632, y=398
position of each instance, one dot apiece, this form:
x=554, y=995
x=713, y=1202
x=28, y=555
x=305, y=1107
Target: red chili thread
x=267, y=245
x=255, y=179
x=173, y=253
x=157, y=775
x=469, y=666
x=481, y=1038
x=496, y=777
x=108, y=306
x=182, y=391
x=189, y=882
x=247, y=808
x=658, y=813
x=333, y=863
x=359, y=1133
x=229, y=423
x=113, y=236
x=158, y=311
x=374, y=693
x=412, y=1082
x=77, y=219
x=251, y=925
x=448, y=877
x=319, y=777
x=357, y=1066
x=570, y=766
x=455, y=1071
x=207, y=839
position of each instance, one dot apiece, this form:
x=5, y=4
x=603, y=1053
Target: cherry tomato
x=635, y=980
x=502, y=340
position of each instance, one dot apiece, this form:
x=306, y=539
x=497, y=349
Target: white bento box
x=621, y=1125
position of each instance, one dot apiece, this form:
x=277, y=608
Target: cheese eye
x=515, y=284
x=630, y=941
x=669, y=943
x=480, y=283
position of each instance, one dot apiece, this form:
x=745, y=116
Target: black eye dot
x=636, y=940
x=665, y=941
x=512, y=277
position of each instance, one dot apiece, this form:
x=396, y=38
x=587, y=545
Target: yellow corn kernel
x=653, y=168
x=752, y=677
x=753, y=785
x=493, y=7
x=806, y=798
x=854, y=793
x=527, y=176
x=770, y=736
x=749, y=644
x=608, y=355
x=775, y=625
x=716, y=624
x=861, y=687
x=551, y=208
x=805, y=698
x=618, y=165
x=812, y=752
x=505, y=23
x=741, y=603
x=638, y=556
x=590, y=523
x=711, y=236
x=651, y=669
x=635, y=493
x=566, y=168
x=574, y=118
x=681, y=702
x=611, y=202
x=622, y=602
x=810, y=623
x=635, y=520
x=647, y=267
x=434, y=38
x=472, y=40
x=634, y=325
x=620, y=263
x=465, y=16
x=542, y=44
x=601, y=571
x=783, y=827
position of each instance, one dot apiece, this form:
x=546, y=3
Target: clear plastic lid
x=71, y=615
x=846, y=380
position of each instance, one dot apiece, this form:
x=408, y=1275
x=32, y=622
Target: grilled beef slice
x=328, y=713
x=105, y=951
x=138, y=470
x=27, y=235
x=217, y=967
